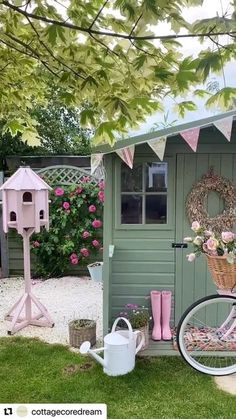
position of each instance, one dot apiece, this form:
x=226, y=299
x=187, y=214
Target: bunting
x=191, y=137
x=127, y=155
x=95, y=161
x=225, y=126
x=158, y=145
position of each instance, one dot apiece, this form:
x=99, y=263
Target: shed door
x=192, y=280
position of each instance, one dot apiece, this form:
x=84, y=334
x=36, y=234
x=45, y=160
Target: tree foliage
x=59, y=131
x=106, y=54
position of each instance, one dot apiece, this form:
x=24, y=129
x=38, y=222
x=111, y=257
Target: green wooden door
x=192, y=280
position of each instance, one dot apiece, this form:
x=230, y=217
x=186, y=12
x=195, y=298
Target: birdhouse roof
x=25, y=178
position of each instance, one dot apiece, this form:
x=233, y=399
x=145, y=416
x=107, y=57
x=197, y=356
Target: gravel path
x=65, y=298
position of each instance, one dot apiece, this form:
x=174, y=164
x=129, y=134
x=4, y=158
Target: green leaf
x=87, y=118
x=52, y=34
x=224, y=99
x=209, y=62
x=184, y=106
x=14, y=126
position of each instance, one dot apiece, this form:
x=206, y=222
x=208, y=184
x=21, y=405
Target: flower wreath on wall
x=196, y=202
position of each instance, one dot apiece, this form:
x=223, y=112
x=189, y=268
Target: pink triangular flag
x=95, y=161
x=127, y=155
x=225, y=126
x=158, y=145
x=191, y=137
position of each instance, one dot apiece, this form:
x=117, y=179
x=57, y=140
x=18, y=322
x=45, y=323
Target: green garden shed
x=145, y=215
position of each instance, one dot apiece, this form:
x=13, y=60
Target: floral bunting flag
x=225, y=126
x=158, y=145
x=95, y=161
x=127, y=155
x=191, y=137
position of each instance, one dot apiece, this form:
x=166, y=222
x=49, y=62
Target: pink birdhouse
x=25, y=201
x=25, y=207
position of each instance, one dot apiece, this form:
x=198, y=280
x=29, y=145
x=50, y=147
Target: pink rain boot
x=166, y=310
x=156, y=314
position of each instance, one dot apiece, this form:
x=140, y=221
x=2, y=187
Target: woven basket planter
x=223, y=273
x=82, y=330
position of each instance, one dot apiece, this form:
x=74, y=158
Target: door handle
x=179, y=245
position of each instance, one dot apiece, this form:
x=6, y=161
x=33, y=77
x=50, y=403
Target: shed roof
x=171, y=131
x=25, y=178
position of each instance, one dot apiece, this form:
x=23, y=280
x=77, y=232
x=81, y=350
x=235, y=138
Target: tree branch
x=51, y=53
x=136, y=23
x=33, y=54
x=98, y=14
x=112, y=34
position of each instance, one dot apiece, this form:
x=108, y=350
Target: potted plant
x=220, y=252
x=95, y=270
x=138, y=317
x=81, y=330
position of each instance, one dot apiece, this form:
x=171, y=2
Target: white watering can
x=119, y=350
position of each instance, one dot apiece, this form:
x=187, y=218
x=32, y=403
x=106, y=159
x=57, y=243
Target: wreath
x=197, y=200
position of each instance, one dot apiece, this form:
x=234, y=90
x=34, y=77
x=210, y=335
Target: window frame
x=170, y=195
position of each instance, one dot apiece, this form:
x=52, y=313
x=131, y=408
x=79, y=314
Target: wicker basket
x=223, y=273
x=78, y=335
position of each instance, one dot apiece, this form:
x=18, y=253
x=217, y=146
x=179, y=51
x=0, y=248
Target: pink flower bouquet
x=207, y=242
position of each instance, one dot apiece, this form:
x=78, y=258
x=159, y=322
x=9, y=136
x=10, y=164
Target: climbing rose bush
x=75, y=231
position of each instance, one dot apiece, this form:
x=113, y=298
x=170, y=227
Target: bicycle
x=206, y=334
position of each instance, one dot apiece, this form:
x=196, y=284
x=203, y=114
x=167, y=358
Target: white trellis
x=65, y=175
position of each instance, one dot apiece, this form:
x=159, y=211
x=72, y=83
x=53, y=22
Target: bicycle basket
x=223, y=273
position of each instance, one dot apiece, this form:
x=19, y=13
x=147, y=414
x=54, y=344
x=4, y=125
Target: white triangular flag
x=127, y=155
x=158, y=145
x=191, y=137
x=225, y=126
x=95, y=161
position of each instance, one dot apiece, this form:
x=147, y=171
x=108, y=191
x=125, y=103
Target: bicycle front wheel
x=206, y=335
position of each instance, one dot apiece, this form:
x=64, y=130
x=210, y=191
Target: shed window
x=144, y=193
x=41, y=214
x=27, y=197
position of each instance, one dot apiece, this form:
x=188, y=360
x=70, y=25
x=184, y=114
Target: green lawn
x=35, y=372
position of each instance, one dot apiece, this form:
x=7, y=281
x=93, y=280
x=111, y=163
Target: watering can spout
x=85, y=349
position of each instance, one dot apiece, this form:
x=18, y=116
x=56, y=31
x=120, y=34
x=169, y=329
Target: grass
x=35, y=372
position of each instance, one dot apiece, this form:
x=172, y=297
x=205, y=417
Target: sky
x=191, y=46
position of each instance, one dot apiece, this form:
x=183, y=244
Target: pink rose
x=86, y=179
x=101, y=185
x=92, y=208
x=97, y=223
x=101, y=196
x=191, y=257
x=86, y=234
x=73, y=256
x=205, y=248
x=227, y=236
x=212, y=244
x=59, y=192
x=66, y=205
x=84, y=252
x=95, y=243
x=36, y=244
x=79, y=190
x=195, y=226
x=74, y=261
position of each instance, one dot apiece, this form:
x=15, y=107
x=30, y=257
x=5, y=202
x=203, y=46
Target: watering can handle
x=141, y=342
x=126, y=321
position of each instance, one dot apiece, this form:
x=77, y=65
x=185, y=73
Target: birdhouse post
x=25, y=205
